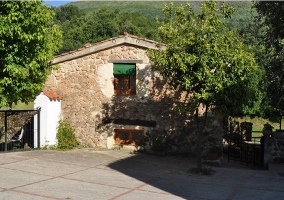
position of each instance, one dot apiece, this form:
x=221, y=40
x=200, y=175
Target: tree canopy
x=28, y=41
x=272, y=55
x=66, y=12
x=103, y=24
x=205, y=58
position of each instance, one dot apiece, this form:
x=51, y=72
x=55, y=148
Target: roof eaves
x=106, y=44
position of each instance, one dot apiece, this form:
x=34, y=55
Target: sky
x=57, y=2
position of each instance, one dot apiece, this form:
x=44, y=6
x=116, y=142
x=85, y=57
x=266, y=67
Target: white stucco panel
x=49, y=117
x=105, y=79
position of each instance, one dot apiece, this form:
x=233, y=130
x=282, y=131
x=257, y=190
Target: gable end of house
x=125, y=39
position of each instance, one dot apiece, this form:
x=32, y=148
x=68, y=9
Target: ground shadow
x=166, y=174
x=169, y=175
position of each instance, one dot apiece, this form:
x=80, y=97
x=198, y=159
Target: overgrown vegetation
x=158, y=141
x=66, y=138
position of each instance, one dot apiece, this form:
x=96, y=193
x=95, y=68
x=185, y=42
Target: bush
x=158, y=141
x=65, y=136
x=215, y=150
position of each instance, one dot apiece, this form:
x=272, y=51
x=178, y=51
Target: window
x=124, y=79
x=128, y=137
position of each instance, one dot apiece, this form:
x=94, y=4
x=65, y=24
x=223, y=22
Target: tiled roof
x=52, y=95
x=106, y=44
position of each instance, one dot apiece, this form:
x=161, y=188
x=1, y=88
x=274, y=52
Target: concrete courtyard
x=84, y=174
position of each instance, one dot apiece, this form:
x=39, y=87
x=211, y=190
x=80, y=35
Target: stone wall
x=15, y=121
x=86, y=85
x=274, y=148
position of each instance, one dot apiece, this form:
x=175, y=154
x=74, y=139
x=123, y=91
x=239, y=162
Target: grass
x=21, y=106
x=256, y=134
x=258, y=122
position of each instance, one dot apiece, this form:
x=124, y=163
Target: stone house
x=111, y=95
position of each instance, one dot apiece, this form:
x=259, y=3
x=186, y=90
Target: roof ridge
x=88, y=45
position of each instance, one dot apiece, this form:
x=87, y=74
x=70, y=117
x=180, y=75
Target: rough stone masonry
x=89, y=103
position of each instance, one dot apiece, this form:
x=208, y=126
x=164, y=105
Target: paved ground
x=116, y=174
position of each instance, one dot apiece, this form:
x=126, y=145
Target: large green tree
x=66, y=12
x=28, y=41
x=270, y=20
x=206, y=59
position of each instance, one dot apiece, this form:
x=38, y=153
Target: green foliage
x=207, y=59
x=104, y=24
x=28, y=41
x=158, y=141
x=257, y=122
x=49, y=147
x=271, y=56
x=269, y=12
x=67, y=12
x=23, y=106
x=146, y=8
x=65, y=136
x=153, y=9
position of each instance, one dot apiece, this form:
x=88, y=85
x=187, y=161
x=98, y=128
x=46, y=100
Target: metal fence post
x=38, y=127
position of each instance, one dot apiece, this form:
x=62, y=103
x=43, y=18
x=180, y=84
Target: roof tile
x=125, y=34
x=52, y=95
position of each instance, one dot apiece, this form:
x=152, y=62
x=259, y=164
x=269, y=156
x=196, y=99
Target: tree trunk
x=200, y=128
x=199, y=164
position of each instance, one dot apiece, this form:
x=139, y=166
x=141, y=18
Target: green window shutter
x=120, y=68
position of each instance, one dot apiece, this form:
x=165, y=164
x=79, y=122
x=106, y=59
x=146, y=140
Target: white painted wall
x=49, y=117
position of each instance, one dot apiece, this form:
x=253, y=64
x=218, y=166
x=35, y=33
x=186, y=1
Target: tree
x=269, y=12
x=67, y=12
x=28, y=41
x=272, y=55
x=104, y=24
x=206, y=59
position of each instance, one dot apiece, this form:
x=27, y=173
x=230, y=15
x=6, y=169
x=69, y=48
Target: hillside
x=88, y=22
x=153, y=9
x=147, y=8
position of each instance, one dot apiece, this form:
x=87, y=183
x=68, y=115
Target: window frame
x=129, y=140
x=126, y=78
